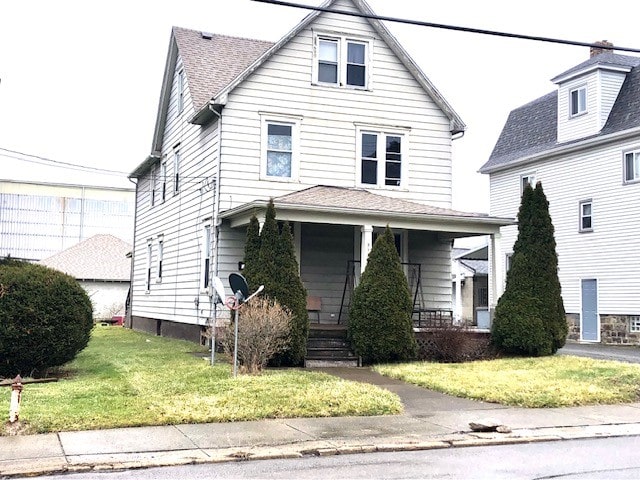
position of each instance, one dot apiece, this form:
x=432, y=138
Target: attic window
x=206, y=35
x=578, y=101
x=342, y=61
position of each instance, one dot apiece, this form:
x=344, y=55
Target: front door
x=589, y=324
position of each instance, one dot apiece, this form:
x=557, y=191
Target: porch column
x=366, y=244
x=497, y=277
x=457, y=308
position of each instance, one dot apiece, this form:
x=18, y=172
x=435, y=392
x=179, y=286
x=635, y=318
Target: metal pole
x=213, y=332
x=235, y=347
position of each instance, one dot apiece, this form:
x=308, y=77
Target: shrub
x=454, y=344
x=252, y=253
x=380, y=327
x=277, y=269
x=45, y=318
x=263, y=330
x=530, y=317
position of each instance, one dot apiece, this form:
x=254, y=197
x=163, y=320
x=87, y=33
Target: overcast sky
x=80, y=80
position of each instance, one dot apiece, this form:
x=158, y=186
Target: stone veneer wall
x=573, y=321
x=614, y=329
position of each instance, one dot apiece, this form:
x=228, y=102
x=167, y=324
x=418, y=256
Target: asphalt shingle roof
x=532, y=128
x=359, y=199
x=211, y=63
x=101, y=257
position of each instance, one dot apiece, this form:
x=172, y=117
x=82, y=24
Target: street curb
x=51, y=465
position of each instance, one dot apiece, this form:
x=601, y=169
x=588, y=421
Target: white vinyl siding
x=328, y=138
x=610, y=253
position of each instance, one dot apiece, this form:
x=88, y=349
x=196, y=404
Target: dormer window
x=342, y=61
x=578, y=101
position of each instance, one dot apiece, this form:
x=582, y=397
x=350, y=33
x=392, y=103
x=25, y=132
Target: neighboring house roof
x=101, y=257
x=354, y=204
x=531, y=129
x=479, y=267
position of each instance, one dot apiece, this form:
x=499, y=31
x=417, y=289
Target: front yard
x=125, y=378
x=555, y=381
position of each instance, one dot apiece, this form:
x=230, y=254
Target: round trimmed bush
x=45, y=318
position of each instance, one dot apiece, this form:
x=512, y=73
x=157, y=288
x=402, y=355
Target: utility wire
x=56, y=163
x=448, y=27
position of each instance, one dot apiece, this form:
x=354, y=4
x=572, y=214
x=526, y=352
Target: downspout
x=214, y=244
x=128, y=315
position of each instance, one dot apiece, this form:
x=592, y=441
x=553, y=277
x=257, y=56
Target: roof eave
x=563, y=149
x=145, y=166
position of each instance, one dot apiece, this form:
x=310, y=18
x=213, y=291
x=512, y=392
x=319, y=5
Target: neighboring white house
x=337, y=124
x=102, y=265
x=470, y=284
x=582, y=142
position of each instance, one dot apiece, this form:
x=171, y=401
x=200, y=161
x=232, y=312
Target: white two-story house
x=336, y=124
x=582, y=142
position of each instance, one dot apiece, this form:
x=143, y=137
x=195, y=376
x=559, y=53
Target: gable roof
x=531, y=130
x=101, y=257
x=217, y=64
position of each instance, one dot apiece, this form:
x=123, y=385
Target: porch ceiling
x=351, y=206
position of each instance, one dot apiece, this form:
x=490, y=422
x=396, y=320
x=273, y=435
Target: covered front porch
x=335, y=228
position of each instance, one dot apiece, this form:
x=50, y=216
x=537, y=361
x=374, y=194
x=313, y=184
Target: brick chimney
x=600, y=47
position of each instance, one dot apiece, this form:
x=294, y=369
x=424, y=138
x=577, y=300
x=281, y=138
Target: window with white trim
x=180, y=93
x=508, y=260
x=527, y=179
x=341, y=61
x=148, y=270
x=634, y=323
x=205, y=255
x=632, y=166
x=578, y=101
x=280, y=148
x=586, y=216
x=381, y=158
x=176, y=170
x=159, y=259
x=163, y=180
x=152, y=191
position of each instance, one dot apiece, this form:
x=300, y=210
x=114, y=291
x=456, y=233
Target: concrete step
x=333, y=362
x=328, y=352
x=327, y=343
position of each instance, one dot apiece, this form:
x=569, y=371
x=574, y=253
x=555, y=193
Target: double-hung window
x=163, y=180
x=632, y=166
x=205, y=255
x=280, y=150
x=578, y=101
x=180, y=92
x=159, y=259
x=176, y=171
x=528, y=179
x=342, y=61
x=152, y=190
x=586, y=216
x=381, y=159
x=148, y=270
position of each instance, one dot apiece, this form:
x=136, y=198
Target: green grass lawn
x=125, y=378
x=556, y=381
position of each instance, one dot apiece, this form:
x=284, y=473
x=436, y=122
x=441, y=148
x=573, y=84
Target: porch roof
x=354, y=206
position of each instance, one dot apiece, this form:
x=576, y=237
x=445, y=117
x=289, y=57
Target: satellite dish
x=219, y=289
x=239, y=284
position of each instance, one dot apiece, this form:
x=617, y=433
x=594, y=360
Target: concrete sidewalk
x=431, y=420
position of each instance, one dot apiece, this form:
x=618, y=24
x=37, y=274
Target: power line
x=447, y=27
x=56, y=163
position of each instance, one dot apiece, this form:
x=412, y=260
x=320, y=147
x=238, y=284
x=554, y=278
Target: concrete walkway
x=431, y=420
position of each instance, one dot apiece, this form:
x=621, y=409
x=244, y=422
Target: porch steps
x=327, y=346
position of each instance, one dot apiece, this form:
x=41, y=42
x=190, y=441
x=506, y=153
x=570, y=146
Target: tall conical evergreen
x=252, y=253
x=530, y=317
x=290, y=292
x=277, y=270
x=380, y=327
